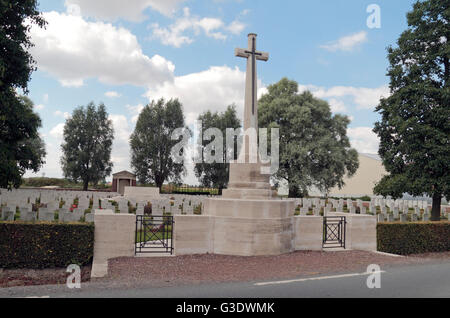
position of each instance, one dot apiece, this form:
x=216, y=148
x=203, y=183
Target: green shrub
x=45, y=245
x=413, y=238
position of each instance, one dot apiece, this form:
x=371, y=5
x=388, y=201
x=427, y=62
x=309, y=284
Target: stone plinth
x=251, y=227
x=254, y=209
x=247, y=182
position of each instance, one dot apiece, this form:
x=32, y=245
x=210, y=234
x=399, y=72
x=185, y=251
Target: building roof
x=124, y=173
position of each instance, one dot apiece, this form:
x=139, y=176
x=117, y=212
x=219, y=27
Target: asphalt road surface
x=430, y=280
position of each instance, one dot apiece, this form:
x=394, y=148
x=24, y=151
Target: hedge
x=45, y=245
x=413, y=238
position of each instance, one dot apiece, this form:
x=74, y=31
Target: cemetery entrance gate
x=154, y=234
x=334, y=228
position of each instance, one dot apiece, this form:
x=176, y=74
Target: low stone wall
x=192, y=234
x=249, y=237
x=361, y=233
x=308, y=233
x=114, y=237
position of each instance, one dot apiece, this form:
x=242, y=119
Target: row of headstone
x=52, y=199
x=47, y=215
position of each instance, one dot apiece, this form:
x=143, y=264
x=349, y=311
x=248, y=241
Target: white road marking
x=315, y=278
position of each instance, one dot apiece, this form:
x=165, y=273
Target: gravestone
x=89, y=217
x=416, y=210
x=380, y=217
x=28, y=216
x=363, y=210
x=395, y=211
x=7, y=215
x=317, y=210
x=403, y=218
x=46, y=215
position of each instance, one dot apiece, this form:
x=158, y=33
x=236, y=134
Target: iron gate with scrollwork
x=334, y=228
x=154, y=234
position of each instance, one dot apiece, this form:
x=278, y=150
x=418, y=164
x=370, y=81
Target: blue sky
x=126, y=53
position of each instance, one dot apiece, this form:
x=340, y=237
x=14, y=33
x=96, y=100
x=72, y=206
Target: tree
x=151, y=143
x=414, y=129
x=21, y=146
x=314, y=147
x=18, y=122
x=88, y=139
x=16, y=64
x=216, y=175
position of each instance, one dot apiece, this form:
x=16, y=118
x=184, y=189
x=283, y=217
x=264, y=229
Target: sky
x=128, y=53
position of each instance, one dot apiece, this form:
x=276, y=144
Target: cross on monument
x=251, y=119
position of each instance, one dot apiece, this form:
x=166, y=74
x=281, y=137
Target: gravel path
x=197, y=269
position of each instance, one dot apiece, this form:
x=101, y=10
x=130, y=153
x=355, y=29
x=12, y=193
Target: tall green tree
x=151, y=143
x=415, y=126
x=88, y=139
x=314, y=147
x=20, y=146
x=16, y=64
x=216, y=175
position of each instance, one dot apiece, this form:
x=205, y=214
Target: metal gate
x=334, y=231
x=154, y=234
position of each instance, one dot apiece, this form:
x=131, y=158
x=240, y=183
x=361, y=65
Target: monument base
x=251, y=227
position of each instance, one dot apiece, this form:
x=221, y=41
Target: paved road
x=430, y=280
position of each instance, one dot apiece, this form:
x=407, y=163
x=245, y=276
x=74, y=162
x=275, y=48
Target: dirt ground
x=29, y=277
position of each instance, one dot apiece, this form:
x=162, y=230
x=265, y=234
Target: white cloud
x=45, y=98
x=236, y=27
x=364, y=98
x=59, y=113
x=175, y=34
x=112, y=94
x=337, y=106
x=347, y=43
x=120, y=154
x=57, y=131
x=131, y=10
x=363, y=139
x=39, y=107
x=135, y=111
x=73, y=50
x=213, y=89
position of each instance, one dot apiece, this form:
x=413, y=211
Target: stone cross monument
x=246, y=180
x=251, y=99
x=248, y=219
